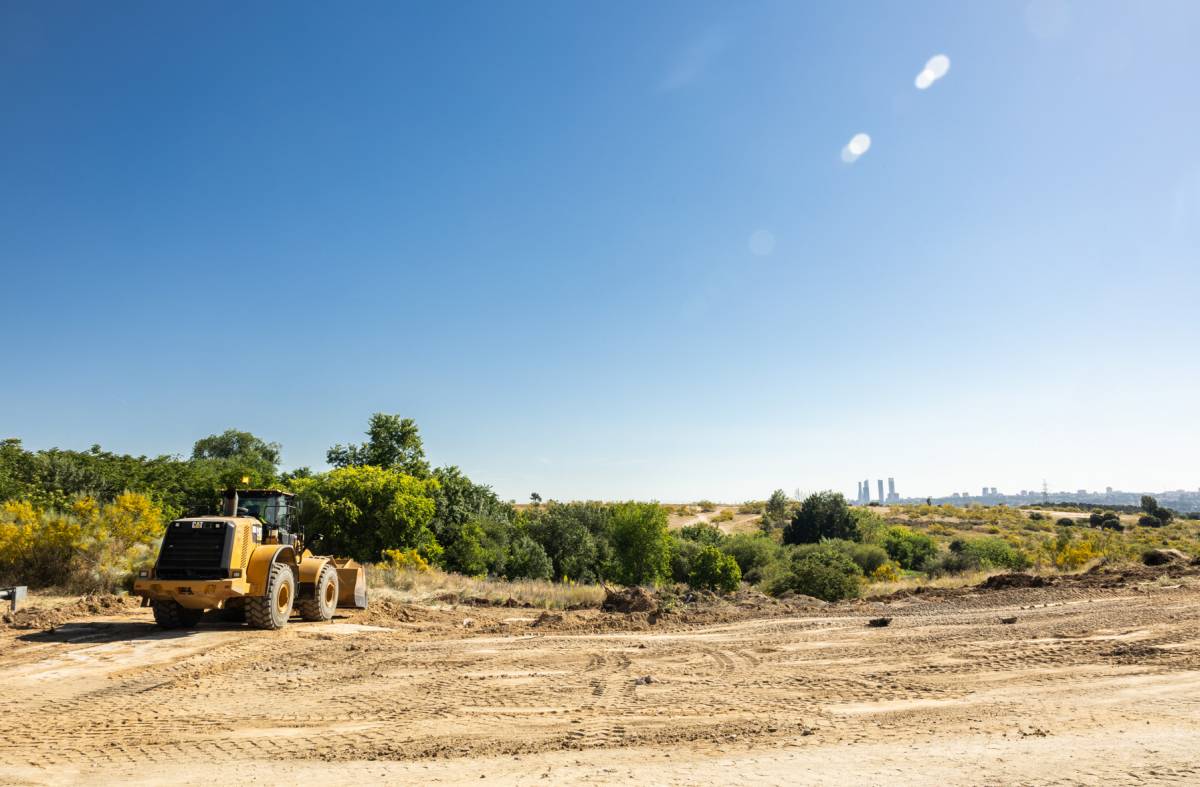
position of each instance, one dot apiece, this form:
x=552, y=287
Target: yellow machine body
x=208, y=562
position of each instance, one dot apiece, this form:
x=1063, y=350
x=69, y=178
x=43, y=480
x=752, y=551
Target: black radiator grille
x=193, y=552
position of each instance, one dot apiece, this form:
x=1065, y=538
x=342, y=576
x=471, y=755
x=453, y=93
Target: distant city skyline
x=987, y=493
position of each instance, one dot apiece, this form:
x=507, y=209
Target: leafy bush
x=702, y=532
x=1106, y=519
x=997, y=553
x=753, y=553
x=684, y=552
x=870, y=524
x=362, y=510
x=722, y=516
x=1065, y=521
x=908, y=548
x=707, y=506
x=751, y=507
x=822, y=515
x=712, y=569
x=527, y=560
x=819, y=570
x=869, y=557
x=640, y=543
x=979, y=553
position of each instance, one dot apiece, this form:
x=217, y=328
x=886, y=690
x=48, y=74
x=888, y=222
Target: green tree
x=821, y=515
x=527, y=560
x=1151, y=507
x=468, y=553
x=712, y=569
x=234, y=444
x=575, y=536
x=392, y=442
x=461, y=500
x=641, y=544
x=775, y=514
x=361, y=511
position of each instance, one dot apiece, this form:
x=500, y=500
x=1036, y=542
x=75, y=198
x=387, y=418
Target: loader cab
x=277, y=510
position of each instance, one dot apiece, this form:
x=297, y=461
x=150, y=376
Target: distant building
x=892, y=496
x=880, y=482
x=984, y=492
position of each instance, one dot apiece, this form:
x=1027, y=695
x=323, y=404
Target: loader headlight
x=144, y=574
x=236, y=573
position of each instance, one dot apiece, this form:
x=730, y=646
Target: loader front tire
x=172, y=615
x=323, y=601
x=272, y=610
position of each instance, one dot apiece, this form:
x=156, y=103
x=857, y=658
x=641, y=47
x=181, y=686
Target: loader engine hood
x=196, y=549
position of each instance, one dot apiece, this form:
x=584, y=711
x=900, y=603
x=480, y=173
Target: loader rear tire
x=172, y=615
x=323, y=601
x=272, y=610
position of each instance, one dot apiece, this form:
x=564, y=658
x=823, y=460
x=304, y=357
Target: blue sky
x=612, y=249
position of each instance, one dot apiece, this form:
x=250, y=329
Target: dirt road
x=1088, y=686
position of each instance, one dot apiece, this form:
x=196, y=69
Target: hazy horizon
x=612, y=260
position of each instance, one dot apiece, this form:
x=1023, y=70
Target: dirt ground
x=1088, y=681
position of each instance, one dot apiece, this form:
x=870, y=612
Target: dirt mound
x=86, y=606
x=634, y=599
x=1005, y=581
x=1162, y=557
x=389, y=613
x=547, y=619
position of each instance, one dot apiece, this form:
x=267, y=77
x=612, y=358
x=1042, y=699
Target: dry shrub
x=416, y=585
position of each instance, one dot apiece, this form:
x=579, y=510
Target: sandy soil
x=741, y=523
x=1095, y=682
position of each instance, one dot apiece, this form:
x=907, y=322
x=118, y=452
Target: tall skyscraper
x=892, y=496
x=880, y=482
x=858, y=495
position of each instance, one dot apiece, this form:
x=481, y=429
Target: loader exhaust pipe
x=231, y=502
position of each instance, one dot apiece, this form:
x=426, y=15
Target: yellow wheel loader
x=251, y=564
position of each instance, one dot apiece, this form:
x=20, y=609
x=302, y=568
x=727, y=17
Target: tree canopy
x=821, y=515
x=392, y=442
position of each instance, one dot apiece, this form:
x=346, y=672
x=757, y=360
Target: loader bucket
x=352, y=583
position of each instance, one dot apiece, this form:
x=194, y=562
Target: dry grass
x=434, y=586
x=911, y=583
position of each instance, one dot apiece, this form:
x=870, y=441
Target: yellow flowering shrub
x=88, y=546
x=405, y=559
x=886, y=572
